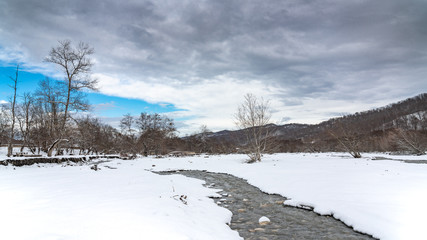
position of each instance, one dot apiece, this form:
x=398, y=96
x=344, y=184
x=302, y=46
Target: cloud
x=104, y=106
x=3, y=102
x=208, y=102
x=312, y=58
x=284, y=120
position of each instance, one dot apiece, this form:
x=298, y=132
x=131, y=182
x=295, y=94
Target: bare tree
x=202, y=139
x=128, y=143
x=49, y=97
x=77, y=66
x=348, y=137
x=126, y=124
x=253, y=116
x=154, y=131
x=4, y=124
x=25, y=119
x=411, y=135
x=90, y=135
x=13, y=119
x=49, y=105
x=411, y=140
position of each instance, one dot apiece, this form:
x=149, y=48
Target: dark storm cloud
x=307, y=47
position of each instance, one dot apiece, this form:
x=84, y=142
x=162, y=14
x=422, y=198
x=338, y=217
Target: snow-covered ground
x=54, y=202
x=387, y=199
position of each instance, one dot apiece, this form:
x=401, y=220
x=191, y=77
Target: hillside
x=409, y=114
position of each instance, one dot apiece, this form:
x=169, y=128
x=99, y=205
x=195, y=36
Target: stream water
x=248, y=204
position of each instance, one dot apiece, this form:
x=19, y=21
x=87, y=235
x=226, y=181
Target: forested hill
x=385, y=117
x=406, y=113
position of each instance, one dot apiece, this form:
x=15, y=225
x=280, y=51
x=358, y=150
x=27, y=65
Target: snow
x=384, y=198
x=263, y=220
x=74, y=202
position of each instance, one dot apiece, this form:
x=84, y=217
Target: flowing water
x=248, y=204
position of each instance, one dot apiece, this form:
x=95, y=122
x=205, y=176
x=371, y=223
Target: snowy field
x=124, y=200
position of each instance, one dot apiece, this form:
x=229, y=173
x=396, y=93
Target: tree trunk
x=66, y=107
x=54, y=145
x=10, y=145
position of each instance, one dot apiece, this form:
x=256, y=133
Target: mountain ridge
x=382, y=118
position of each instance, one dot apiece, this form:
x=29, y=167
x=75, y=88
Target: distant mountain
x=380, y=119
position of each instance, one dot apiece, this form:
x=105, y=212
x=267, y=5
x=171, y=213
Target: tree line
x=399, y=127
x=53, y=118
x=45, y=120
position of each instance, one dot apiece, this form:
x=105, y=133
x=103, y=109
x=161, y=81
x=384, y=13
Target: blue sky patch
x=102, y=105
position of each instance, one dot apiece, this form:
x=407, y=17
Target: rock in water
x=264, y=221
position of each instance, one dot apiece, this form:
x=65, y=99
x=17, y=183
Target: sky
x=195, y=60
